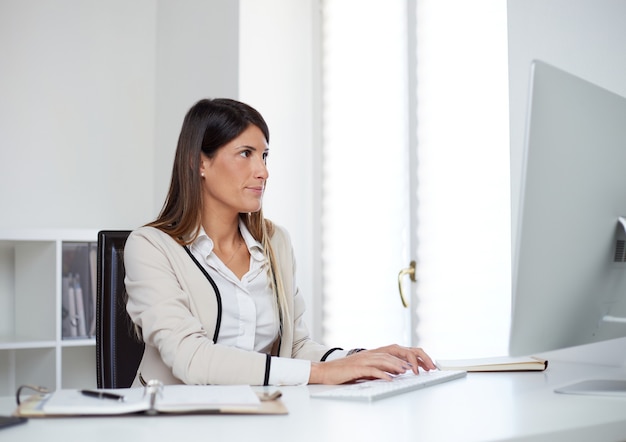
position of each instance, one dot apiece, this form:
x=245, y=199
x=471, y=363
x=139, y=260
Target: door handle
x=407, y=271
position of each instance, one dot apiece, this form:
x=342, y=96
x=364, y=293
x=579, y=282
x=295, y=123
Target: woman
x=211, y=283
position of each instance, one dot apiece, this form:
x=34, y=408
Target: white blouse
x=249, y=316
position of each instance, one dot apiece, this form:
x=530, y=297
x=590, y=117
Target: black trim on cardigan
x=327, y=354
x=218, y=295
x=268, y=363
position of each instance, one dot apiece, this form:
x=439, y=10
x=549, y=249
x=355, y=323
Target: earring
x=202, y=174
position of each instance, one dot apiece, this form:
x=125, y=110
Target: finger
x=425, y=361
x=409, y=355
x=416, y=357
x=414, y=362
x=380, y=362
x=393, y=364
x=379, y=374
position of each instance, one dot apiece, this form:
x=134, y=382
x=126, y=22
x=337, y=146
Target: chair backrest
x=118, y=350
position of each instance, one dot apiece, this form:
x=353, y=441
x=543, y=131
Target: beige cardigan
x=177, y=309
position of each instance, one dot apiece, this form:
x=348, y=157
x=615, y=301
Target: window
x=459, y=210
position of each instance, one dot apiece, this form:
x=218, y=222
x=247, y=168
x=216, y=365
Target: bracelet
x=354, y=350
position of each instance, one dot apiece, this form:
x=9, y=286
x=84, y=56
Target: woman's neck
x=228, y=244
x=222, y=232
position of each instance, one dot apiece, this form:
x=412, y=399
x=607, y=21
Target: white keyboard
x=379, y=388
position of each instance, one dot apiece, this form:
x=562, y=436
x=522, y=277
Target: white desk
x=483, y=406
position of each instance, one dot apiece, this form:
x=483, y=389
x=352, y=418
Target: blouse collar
x=204, y=243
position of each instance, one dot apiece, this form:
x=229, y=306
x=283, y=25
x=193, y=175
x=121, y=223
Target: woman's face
x=234, y=179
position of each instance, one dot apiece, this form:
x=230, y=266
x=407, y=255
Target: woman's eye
x=245, y=153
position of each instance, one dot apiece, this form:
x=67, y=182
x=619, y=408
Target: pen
x=102, y=395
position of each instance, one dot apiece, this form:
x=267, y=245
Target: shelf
x=33, y=348
x=82, y=342
x=18, y=345
x=21, y=235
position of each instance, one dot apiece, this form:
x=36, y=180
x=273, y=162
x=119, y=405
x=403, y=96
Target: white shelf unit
x=32, y=347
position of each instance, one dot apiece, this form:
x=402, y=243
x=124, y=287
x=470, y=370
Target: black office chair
x=118, y=350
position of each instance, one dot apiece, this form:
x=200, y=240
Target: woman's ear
x=202, y=160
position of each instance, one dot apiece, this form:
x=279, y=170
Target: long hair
x=208, y=126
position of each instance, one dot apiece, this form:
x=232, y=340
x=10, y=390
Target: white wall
x=584, y=37
x=278, y=62
x=197, y=56
x=77, y=112
x=93, y=95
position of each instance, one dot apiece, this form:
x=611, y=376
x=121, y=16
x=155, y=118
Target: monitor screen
x=569, y=273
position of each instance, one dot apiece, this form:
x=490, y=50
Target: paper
x=172, y=398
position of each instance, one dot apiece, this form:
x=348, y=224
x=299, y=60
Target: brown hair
x=209, y=125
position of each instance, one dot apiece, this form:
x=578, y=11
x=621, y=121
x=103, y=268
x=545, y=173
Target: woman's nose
x=262, y=171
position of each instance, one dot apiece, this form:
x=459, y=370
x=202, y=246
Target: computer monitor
x=569, y=268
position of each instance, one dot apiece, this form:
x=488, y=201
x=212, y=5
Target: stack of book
x=79, y=290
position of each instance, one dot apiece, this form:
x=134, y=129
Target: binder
x=67, y=322
x=153, y=399
x=73, y=310
x=80, y=307
x=501, y=363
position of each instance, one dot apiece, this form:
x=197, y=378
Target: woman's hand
x=416, y=357
x=379, y=363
